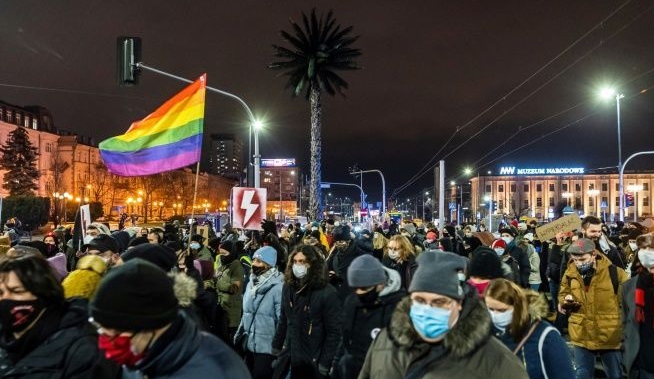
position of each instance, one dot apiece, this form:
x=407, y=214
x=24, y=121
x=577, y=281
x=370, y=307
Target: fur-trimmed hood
x=470, y=331
x=538, y=307
x=185, y=288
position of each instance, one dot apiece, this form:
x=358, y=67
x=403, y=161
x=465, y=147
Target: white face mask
x=499, y=251
x=646, y=257
x=633, y=246
x=393, y=254
x=461, y=276
x=195, y=245
x=300, y=271
x=507, y=239
x=501, y=319
x=87, y=239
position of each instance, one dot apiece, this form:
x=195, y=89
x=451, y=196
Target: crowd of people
x=325, y=301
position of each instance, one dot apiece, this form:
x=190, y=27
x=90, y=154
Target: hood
x=185, y=288
x=471, y=330
x=393, y=283
x=538, y=307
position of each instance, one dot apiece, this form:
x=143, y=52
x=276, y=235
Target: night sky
x=429, y=68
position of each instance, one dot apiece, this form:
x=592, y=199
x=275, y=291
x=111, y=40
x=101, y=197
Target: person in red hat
x=510, y=268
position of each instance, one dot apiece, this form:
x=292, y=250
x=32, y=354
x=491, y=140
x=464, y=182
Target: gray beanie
x=365, y=271
x=437, y=273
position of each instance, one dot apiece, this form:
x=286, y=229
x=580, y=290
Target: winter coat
x=338, y=262
x=545, y=353
x=230, y=297
x=310, y=323
x=554, y=262
x=190, y=353
x=523, y=262
x=631, y=328
x=471, y=352
x=534, y=262
x=261, y=312
x=597, y=325
x=70, y=352
x=406, y=269
x=363, y=322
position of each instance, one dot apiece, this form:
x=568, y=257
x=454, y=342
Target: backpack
x=511, y=269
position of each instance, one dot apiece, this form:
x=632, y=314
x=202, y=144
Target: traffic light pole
x=257, y=156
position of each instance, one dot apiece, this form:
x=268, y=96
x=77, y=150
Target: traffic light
x=494, y=205
x=628, y=200
x=128, y=54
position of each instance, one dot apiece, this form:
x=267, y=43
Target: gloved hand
x=275, y=352
x=323, y=371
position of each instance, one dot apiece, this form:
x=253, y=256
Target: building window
x=512, y=187
x=539, y=201
x=35, y=124
x=500, y=188
x=48, y=147
x=551, y=187
x=539, y=188
x=551, y=201
x=605, y=200
x=500, y=204
x=578, y=202
x=578, y=187
x=564, y=187
x=617, y=201
x=525, y=188
x=645, y=186
x=617, y=186
x=605, y=187
x=591, y=186
x=266, y=180
x=488, y=188
x=525, y=203
x=590, y=202
x=646, y=201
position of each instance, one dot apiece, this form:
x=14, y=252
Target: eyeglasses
x=443, y=302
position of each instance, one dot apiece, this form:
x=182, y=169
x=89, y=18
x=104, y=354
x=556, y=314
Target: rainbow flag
x=167, y=139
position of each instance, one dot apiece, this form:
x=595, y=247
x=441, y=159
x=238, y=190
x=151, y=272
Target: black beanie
x=162, y=256
x=485, y=264
x=135, y=296
x=341, y=233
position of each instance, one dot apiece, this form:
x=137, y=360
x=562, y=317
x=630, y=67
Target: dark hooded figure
x=345, y=250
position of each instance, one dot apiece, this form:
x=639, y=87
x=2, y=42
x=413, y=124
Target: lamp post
x=594, y=193
x=488, y=201
x=608, y=93
x=635, y=188
x=257, y=125
x=423, y=205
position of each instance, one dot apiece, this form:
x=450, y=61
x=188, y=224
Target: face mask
x=195, y=246
x=646, y=257
x=461, y=276
x=633, y=246
x=369, y=297
x=501, y=319
x=393, y=254
x=51, y=250
x=507, y=239
x=119, y=350
x=499, y=251
x=257, y=270
x=87, y=239
x=468, y=234
x=430, y=322
x=584, y=267
x=481, y=287
x=225, y=259
x=300, y=271
x=17, y=315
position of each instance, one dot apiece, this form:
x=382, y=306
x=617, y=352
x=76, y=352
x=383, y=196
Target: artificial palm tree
x=317, y=50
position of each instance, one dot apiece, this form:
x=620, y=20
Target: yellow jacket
x=597, y=325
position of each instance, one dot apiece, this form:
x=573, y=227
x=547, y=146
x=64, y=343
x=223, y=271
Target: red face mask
x=481, y=287
x=119, y=350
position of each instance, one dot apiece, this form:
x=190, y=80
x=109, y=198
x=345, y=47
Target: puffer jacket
x=261, y=312
x=70, y=352
x=545, y=353
x=471, y=352
x=597, y=324
x=230, y=296
x=188, y=353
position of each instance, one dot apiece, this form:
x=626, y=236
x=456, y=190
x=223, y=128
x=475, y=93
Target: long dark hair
x=36, y=276
x=315, y=278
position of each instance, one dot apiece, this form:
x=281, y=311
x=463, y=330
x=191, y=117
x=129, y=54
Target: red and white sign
x=248, y=207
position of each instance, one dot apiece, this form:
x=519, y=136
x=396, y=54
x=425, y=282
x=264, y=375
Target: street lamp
x=423, y=205
x=635, y=188
x=609, y=93
x=594, y=193
x=257, y=125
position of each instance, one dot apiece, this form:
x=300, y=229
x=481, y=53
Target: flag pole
x=195, y=194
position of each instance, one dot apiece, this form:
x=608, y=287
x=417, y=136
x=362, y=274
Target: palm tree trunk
x=315, y=206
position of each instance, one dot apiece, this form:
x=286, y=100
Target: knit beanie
x=81, y=283
x=162, y=256
x=365, y=271
x=341, y=233
x=499, y=243
x=485, y=264
x=135, y=296
x=266, y=254
x=437, y=273
x=102, y=228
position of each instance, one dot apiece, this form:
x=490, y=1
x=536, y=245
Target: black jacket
x=406, y=269
x=71, y=351
x=523, y=263
x=339, y=261
x=183, y=351
x=309, y=325
x=554, y=262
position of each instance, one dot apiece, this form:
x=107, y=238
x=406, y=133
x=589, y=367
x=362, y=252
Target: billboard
x=541, y=171
x=278, y=162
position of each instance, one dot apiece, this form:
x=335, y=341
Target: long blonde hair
x=406, y=247
x=507, y=292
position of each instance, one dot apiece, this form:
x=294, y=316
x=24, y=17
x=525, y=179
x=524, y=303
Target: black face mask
x=226, y=259
x=17, y=315
x=257, y=270
x=369, y=297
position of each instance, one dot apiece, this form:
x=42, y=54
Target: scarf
x=644, y=296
